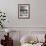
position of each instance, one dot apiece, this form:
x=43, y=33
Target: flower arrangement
x=2, y=19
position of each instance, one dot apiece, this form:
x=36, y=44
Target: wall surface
x=37, y=13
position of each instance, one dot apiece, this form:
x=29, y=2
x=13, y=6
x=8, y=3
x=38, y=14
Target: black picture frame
x=23, y=11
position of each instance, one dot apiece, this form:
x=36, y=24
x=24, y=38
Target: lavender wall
x=37, y=13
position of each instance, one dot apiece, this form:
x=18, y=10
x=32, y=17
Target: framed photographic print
x=23, y=11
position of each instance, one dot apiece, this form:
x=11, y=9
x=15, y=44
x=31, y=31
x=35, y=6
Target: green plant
x=2, y=19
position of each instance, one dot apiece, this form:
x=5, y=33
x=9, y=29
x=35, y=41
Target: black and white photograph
x=24, y=11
